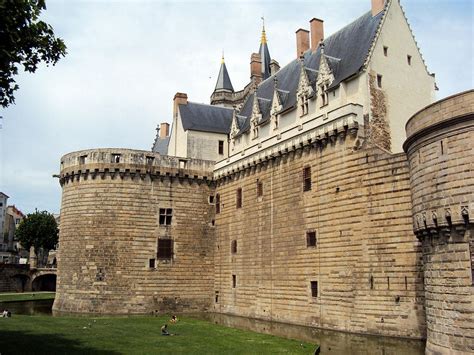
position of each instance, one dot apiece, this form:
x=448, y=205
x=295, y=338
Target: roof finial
x=222, y=60
x=264, y=37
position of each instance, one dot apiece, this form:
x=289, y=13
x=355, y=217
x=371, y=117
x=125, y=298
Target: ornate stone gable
x=256, y=117
x=235, y=127
x=276, y=106
x=304, y=92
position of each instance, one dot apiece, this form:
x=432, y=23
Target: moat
x=331, y=342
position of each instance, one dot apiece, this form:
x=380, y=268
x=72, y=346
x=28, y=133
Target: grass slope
x=26, y=296
x=135, y=335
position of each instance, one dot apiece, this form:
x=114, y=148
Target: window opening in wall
x=442, y=148
x=259, y=188
x=233, y=247
x=406, y=283
x=371, y=282
x=239, y=198
x=379, y=80
x=115, y=158
x=221, y=148
x=314, y=288
x=409, y=59
x=165, y=216
x=218, y=203
x=182, y=164
x=151, y=263
x=217, y=296
x=234, y=281
x=211, y=198
x=82, y=159
x=385, y=51
x=165, y=248
x=311, y=238
x=307, y=178
x=388, y=283
x=149, y=160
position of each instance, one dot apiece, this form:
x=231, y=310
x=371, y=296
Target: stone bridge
x=21, y=278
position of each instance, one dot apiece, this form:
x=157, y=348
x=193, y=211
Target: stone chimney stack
x=179, y=99
x=377, y=6
x=274, y=67
x=317, y=32
x=302, y=42
x=256, y=67
x=164, y=130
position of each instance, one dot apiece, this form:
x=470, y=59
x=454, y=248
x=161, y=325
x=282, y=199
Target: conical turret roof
x=264, y=55
x=223, y=80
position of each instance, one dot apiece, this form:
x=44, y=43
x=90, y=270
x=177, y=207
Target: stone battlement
x=128, y=162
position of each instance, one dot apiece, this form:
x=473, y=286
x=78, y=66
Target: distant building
x=11, y=248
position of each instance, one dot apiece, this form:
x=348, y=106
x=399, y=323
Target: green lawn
x=135, y=335
x=26, y=296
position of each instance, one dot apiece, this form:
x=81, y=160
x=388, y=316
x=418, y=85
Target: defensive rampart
x=135, y=233
x=440, y=147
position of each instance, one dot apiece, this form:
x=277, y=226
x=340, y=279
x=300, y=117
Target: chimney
x=377, y=6
x=256, y=67
x=274, y=67
x=164, y=130
x=179, y=99
x=317, y=32
x=302, y=42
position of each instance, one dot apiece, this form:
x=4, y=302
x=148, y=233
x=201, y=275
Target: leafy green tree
x=39, y=230
x=24, y=41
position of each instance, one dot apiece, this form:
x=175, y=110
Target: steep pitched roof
x=346, y=52
x=223, y=80
x=205, y=118
x=161, y=145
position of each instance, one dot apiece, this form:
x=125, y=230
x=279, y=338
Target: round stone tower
x=136, y=233
x=440, y=148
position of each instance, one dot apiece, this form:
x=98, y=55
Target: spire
x=223, y=80
x=264, y=53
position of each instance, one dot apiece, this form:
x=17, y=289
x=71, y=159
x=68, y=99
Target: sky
x=127, y=59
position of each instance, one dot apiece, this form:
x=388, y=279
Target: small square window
x=221, y=147
x=165, y=249
x=239, y=198
x=307, y=178
x=314, y=289
x=165, y=216
x=409, y=59
x=259, y=188
x=149, y=160
x=385, y=51
x=379, y=80
x=234, y=281
x=151, y=263
x=311, y=238
x=116, y=158
x=82, y=159
x=234, y=247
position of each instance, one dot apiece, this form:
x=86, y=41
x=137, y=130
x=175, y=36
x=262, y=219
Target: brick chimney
x=302, y=42
x=317, y=32
x=377, y=6
x=256, y=67
x=179, y=99
x=164, y=130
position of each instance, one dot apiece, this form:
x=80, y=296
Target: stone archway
x=46, y=282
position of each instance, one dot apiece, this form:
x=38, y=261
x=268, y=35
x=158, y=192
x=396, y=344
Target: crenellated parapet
x=128, y=163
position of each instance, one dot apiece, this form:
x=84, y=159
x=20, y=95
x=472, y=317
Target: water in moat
x=331, y=342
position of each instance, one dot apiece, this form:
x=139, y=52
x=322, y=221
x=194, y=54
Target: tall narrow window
x=379, y=81
x=221, y=148
x=165, y=249
x=218, y=203
x=371, y=282
x=409, y=59
x=165, y=216
x=239, y=198
x=307, y=178
x=314, y=289
x=82, y=159
x=385, y=51
x=234, y=281
x=233, y=247
x=151, y=263
x=115, y=158
x=311, y=238
x=259, y=188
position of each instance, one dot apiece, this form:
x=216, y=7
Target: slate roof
x=346, y=52
x=161, y=145
x=223, y=80
x=205, y=118
x=265, y=57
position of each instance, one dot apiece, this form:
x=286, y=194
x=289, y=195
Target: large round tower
x=136, y=233
x=440, y=148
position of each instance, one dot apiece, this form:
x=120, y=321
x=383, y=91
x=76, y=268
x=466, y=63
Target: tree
x=26, y=41
x=39, y=230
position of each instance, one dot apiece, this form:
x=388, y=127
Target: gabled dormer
x=304, y=91
x=255, y=118
x=325, y=78
x=276, y=106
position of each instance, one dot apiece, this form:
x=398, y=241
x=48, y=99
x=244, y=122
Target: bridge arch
x=44, y=282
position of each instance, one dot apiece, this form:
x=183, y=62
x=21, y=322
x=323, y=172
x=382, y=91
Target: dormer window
x=303, y=103
x=254, y=129
x=323, y=94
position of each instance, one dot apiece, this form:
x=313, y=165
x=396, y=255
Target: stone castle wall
x=367, y=262
x=110, y=228
x=440, y=147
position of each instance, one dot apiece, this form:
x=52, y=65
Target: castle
x=332, y=192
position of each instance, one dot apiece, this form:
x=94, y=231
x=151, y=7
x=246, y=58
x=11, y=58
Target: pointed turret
x=264, y=54
x=224, y=91
x=223, y=80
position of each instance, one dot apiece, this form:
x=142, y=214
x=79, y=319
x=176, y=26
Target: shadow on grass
x=18, y=342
